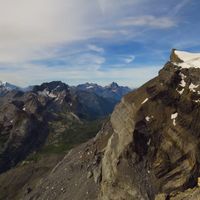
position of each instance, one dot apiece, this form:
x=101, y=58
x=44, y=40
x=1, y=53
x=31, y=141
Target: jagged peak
x=50, y=86
x=112, y=85
x=174, y=57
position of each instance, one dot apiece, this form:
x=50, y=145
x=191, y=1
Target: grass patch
x=74, y=135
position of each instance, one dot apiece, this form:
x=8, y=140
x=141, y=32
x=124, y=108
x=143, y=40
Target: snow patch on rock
x=193, y=87
x=145, y=100
x=148, y=118
x=173, y=117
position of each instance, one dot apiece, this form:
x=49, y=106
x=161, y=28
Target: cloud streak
x=149, y=21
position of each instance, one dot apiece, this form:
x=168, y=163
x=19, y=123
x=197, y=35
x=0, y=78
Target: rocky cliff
x=148, y=150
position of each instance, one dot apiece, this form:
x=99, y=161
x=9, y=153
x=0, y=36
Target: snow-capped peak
x=187, y=59
x=7, y=85
x=3, y=83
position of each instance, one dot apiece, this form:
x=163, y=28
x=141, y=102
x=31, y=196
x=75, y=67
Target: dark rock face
x=51, y=86
x=92, y=106
x=149, y=149
x=174, y=58
x=22, y=130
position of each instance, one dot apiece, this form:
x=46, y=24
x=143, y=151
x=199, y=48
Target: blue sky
x=101, y=41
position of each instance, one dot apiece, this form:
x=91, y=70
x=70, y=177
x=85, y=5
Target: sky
x=77, y=41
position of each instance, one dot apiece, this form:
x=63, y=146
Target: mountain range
x=112, y=90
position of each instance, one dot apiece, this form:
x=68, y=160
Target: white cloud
x=129, y=59
x=149, y=21
x=95, y=48
x=87, y=60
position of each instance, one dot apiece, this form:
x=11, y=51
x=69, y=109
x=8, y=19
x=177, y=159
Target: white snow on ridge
x=89, y=87
x=197, y=101
x=190, y=60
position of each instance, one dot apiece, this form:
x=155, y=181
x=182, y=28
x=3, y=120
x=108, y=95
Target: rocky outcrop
x=174, y=57
x=155, y=144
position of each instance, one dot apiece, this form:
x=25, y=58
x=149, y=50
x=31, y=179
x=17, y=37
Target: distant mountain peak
x=111, y=91
x=51, y=86
x=6, y=87
x=113, y=85
x=3, y=83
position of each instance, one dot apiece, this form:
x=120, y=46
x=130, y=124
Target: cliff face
x=155, y=144
x=149, y=149
x=154, y=147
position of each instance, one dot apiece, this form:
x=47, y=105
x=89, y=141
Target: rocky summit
x=149, y=149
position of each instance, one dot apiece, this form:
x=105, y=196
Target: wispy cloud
x=95, y=48
x=129, y=59
x=149, y=21
x=180, y=5
x=88, y=61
